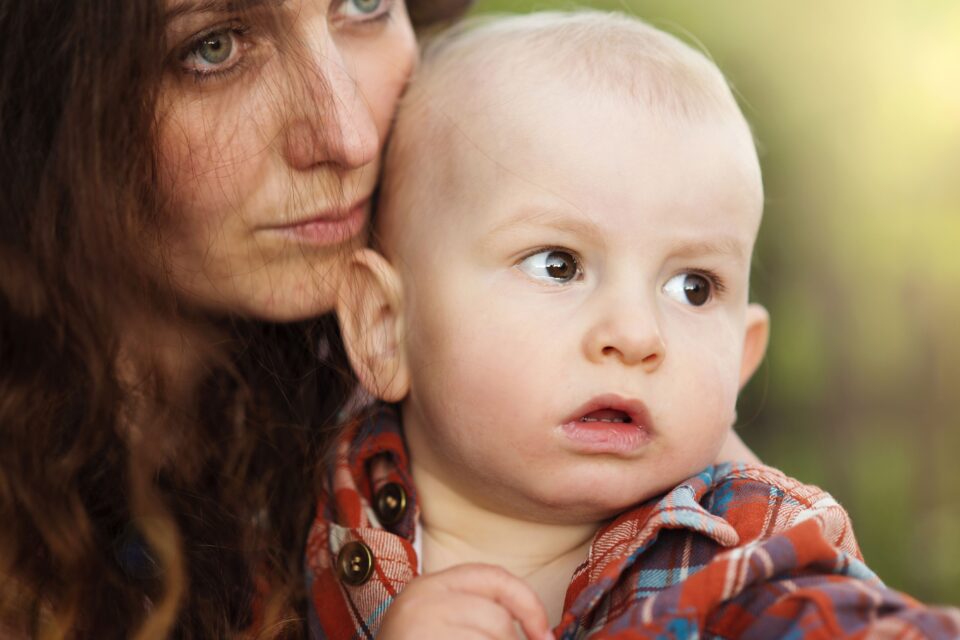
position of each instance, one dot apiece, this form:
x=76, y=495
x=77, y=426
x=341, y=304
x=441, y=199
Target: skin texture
x=251, y=144
x=491, y=356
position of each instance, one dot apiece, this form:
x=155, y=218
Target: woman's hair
x=125, y=512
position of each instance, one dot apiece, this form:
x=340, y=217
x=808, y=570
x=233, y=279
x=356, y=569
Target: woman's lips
x=608, y=424
x=328, y=228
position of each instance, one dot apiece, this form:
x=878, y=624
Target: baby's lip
x=614, y=409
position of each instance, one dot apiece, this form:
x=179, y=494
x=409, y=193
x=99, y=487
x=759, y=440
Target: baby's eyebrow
x=726, y=246
x=579, y=225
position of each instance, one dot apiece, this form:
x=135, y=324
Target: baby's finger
x=482, y=616
x=501, y=586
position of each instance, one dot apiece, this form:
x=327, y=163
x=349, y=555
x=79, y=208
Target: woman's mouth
x=608, y=424
x=329, y=227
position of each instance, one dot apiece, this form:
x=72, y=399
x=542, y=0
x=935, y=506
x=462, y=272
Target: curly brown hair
x=130, y=504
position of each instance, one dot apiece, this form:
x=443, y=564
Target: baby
x=560, y=323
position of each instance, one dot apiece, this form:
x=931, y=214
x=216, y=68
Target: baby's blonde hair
x=602, y=52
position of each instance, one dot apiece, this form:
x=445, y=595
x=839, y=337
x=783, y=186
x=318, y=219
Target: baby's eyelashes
x=552, y=266
x=695, y=288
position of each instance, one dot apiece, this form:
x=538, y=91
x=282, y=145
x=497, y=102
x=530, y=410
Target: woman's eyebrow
x=184, y=7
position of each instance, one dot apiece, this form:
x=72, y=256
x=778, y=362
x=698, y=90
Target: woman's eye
x=364, y=9
x=215, y=52
x=556, y=266
x=690, y=288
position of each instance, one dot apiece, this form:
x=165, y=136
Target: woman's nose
x=628, y=334
x=332, y=125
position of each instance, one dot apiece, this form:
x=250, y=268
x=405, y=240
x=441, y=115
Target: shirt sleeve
x=796, y=585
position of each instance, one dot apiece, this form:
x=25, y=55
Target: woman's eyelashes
x=364, y=10
x=552, y=266
x=694, y=288
x=223, y=50
x=216, y=53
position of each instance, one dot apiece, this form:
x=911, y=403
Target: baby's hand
x=466, y=601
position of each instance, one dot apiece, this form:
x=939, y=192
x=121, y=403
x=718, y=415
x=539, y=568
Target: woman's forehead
x=176, y=8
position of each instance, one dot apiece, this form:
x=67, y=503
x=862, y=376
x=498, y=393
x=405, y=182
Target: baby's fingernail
x=549, y=635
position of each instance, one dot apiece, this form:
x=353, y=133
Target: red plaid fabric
x=735, y=552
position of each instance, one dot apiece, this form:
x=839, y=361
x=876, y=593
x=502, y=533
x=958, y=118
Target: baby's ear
x=754, y=342
x=369, y=308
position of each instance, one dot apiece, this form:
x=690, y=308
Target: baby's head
x=569, y=211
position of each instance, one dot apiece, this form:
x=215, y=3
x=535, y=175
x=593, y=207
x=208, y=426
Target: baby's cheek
x=485, y=375
x=719, y=373
x=492, y=376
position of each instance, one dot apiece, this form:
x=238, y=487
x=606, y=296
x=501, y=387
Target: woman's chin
x=284, y=290
x=268, y=304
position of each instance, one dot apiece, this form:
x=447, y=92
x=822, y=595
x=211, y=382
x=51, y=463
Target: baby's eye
x=695, y=289
x=556, y=266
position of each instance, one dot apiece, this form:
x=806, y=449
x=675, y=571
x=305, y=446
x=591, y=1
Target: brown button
x=390, y=503
x=355, y=563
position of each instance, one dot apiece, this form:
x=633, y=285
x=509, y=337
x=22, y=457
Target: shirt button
x=355, y=563
x=390, y=503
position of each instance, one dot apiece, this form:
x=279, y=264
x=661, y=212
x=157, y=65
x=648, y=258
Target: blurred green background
x=856, y=107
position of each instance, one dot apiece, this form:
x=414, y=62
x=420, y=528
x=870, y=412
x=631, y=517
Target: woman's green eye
x=216, y=47
x=364, y=11
x=216, y=53
x=367, y=6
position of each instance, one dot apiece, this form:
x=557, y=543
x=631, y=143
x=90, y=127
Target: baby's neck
x=456, y=530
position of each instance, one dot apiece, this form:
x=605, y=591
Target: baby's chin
x=596, y=501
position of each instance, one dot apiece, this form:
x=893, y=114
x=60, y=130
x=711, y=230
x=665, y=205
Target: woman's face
x=271, y=118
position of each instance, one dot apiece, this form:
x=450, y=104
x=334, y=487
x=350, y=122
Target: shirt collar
x=618, y=545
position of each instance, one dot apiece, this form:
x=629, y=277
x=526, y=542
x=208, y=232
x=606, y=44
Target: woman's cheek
x=211, y=173
x=382, y=78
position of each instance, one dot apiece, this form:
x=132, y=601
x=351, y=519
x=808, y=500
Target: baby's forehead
x=478, y=81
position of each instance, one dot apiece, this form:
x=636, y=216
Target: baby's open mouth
x=607, y=415
x=608, y=424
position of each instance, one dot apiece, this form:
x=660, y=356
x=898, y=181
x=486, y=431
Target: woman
x=179, y=179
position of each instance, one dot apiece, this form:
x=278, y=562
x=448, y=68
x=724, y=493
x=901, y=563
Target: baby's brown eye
x=689, y=288
x=556, y=266
x=561, y=265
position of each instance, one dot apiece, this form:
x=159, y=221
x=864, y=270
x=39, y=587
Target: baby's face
x=576, y=303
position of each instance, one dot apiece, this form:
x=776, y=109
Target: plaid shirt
x=735, y=552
